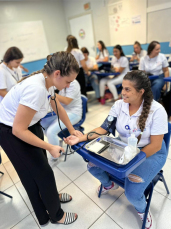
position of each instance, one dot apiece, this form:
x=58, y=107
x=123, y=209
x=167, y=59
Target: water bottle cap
x=133, y=135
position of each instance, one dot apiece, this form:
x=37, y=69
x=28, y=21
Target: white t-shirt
x=77, y=53
x=102, y=55
x=156, y=123
x=153, y=65
x=91, y=62
x=8, y=77
x=121, y=62
x=30, y=92
x=74, y=93
x=142, y=53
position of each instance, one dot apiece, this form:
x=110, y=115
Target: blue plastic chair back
x=167, y=137
x=84, y=107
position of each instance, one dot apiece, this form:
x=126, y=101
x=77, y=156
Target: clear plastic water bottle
x=132, y=141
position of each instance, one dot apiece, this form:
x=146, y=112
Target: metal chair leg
x=163, y=180
x=2, y=173
x=66, y=152
x=100, y=191
x=6, y=194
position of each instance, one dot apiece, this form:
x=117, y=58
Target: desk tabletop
x=104, y=63
x=106, y=73
x=167, y=79
x=108, y=166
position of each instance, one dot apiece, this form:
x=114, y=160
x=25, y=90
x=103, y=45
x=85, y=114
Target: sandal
x=69, y=218
x=65, y=198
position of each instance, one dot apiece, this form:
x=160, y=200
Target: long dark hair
x=13, y=53
x=141, y=81
x=120, y=49
x=151, y=46
x=63, y=61
x=103, y=46
x=72, y=43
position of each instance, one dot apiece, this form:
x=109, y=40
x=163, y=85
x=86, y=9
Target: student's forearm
x=30, y=138
x=98, y=130
x=150, y=150
x=166, y=73
x=63, y=99
x=3, y=93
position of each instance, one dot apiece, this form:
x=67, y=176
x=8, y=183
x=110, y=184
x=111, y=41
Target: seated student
x=76, y=52
x=10, y=70
x=138, y=52
x=120, y=64
x=103, y=54
x=143, y=115
x=70, y=99
x=155, y=63
x=92, y=66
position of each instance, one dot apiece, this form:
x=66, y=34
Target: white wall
x=50, y=12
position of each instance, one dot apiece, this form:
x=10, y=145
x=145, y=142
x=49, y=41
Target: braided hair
x=140, y=81
x=63, y=61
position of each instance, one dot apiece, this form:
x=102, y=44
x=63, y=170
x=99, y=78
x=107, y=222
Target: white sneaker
x=104, y=190
x=149, y=222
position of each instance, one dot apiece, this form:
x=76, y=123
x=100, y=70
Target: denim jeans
x=52, y=128
x=156, y=87
x=134, y=191
x=93, y=79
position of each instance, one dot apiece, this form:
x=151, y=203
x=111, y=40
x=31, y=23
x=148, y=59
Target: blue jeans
x=93, y=79
x=52, y=128
x=134, y=191
x=156, y=87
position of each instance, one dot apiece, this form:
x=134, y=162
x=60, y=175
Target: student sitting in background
x=70, y=99
x=76, y=52
x=155, y=63
x=143, y=115
x=119, y=64
x=92, y=66
x=10, y=70
x=103, y=54
x=138, y=52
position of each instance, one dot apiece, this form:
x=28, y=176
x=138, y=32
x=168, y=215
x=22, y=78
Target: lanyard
x=16, y=78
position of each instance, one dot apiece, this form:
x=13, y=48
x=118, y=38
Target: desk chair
x=65, y=132
x=2, y=175
x=149, y=190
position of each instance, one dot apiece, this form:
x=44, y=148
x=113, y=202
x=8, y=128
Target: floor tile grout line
x=162, y=194
x=20, y=221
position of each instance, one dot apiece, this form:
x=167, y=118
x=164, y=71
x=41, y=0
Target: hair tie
x=141, y=133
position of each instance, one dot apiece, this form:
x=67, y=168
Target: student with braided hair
x=147, y=119
x=21, y=136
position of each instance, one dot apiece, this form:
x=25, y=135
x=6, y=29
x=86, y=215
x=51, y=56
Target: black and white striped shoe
x=65, y=198
x=70, y=218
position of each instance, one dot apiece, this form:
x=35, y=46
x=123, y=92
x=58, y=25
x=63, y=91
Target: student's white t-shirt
x=77, y=53
x=8, y=77
x=32, y=93
x=102, y=55
x=142, y=53
x=156, y=123
x=90, y=62
x=153, y=65
x=74, y=93
x=121, y=62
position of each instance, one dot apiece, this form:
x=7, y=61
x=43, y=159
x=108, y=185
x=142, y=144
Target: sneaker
x=102, y=101
x=149, y=222
x=105, y=190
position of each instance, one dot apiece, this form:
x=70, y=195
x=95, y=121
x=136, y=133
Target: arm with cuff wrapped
x=108, y=126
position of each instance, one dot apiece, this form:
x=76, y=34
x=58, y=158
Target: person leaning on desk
x=137, y=113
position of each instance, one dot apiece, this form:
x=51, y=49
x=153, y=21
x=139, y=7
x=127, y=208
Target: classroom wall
x=50, y=12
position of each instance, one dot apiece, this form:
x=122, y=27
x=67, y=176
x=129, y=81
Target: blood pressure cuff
x=109, y=124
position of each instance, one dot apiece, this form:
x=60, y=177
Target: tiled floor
x=111, y=211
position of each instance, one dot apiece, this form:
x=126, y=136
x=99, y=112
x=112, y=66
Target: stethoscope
x=17, y=79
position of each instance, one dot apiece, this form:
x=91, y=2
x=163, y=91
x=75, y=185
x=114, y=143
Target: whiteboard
x=127, y=22
x=28, y=36
x=82, y=28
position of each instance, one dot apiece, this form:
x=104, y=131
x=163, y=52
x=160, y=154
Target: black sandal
x=65, y=198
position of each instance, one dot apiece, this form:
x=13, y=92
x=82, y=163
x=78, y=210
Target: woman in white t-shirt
x=138, y=52
x=70, y=99
x=137, y=113
x=120, y=64
x=155, y=63
x=103, y=54
x=10, y=71
x=21, y=136
x=76, y=52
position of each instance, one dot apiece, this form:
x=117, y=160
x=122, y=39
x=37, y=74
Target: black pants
x=36, y=175
x=81, y=80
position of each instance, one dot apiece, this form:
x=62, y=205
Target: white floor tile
x=89, y=184
x=5, y=180
x=73, y=167
x=12, y=210
x=27, y=223
x=169, y=154
x=160, y=186
x=11, y=171
x=105, y=222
